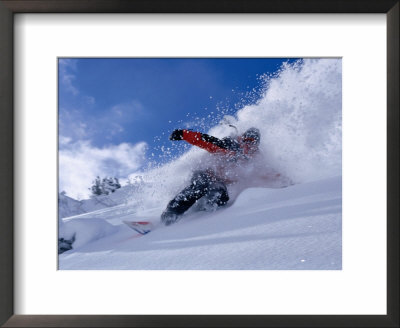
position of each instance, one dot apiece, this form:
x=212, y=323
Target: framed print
x=92, y=91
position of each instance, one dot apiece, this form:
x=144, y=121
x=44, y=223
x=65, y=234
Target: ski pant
x=203, y=184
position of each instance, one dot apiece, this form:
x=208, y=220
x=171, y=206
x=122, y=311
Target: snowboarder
x=211, y=183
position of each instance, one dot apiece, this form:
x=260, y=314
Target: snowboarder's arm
x=205, y=141
x=202, y=140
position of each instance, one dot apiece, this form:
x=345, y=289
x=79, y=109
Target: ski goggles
x=249, y=140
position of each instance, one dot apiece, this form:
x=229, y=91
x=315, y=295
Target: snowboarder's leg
x=186, y=198
x=217, y=195
x=202, y=184
x=182, y=202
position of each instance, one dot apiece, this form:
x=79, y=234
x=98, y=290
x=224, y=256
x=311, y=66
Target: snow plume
x=299, y=114
x=300, y=118
x=80, y=163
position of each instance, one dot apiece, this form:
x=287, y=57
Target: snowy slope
x=298, y=227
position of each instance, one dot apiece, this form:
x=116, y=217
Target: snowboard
x=142, y=227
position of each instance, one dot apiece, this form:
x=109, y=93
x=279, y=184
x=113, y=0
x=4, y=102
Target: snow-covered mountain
x=264, y=225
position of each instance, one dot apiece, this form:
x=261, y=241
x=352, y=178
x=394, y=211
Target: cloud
x=72, y=125
x=89, y=100
x=81, y=117
x=64, y=140
x=127, y=112
x=66, y=76
x=80, y=163
x=78, y=124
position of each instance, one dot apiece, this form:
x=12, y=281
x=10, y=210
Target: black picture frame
x=10, y=7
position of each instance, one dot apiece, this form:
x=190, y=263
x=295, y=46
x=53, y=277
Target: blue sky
x=115, y=110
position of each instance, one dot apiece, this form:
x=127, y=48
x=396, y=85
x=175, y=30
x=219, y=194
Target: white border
x=360, y=288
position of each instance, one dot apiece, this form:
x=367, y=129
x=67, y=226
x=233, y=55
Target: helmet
x=252, y=135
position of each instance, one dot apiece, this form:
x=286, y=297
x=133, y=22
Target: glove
x=176, y=135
